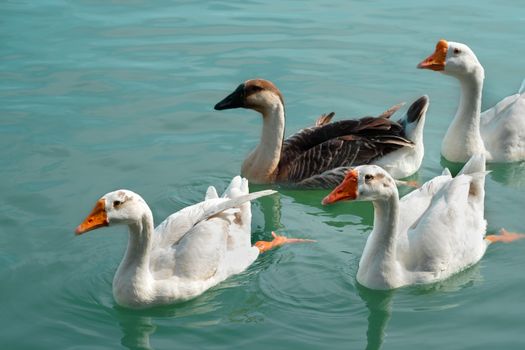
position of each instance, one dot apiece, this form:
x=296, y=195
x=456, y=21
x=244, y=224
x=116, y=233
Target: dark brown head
x=257, y=94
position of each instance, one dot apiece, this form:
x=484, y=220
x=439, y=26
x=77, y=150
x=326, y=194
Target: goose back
x=321, y=150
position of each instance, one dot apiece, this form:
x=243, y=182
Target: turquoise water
x=100, y=95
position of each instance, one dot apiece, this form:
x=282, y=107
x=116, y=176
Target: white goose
x=428, y=235
x=190, y=252
x=499, y=132
x=319, y=156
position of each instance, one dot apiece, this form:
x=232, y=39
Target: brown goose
x=319, y=156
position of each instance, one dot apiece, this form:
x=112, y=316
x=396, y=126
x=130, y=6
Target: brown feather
x=389, y=112
x=324, y=119
x=319, y=149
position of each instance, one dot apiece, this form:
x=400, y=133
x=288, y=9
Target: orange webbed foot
x=412, y=183
x=408, y=183
x=505, y=236
x=278, y=241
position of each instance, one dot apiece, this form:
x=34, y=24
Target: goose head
x=257, y=94
x=363, y=183
x=452, y=58
x=414, y=119
x=119, y=207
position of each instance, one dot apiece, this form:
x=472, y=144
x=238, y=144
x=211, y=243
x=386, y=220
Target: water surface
x=101, y=95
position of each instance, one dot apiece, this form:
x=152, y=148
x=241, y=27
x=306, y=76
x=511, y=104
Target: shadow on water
x=453, y=167
x=459, y=281
x=512, y=174
x=138, y=326
x=509, y=174
x=136, y=330
x=271, y=209
x=379, y=303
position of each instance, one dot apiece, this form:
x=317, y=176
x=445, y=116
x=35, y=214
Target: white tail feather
x=475, y=164
x=234, y=185
x=446, y=172
x=211, y=193
x=522, y=88
x=233, y=203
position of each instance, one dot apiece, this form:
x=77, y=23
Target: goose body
x=499, y=132
x=191, y=251
x=503, y=129
x=426, y=236
x=319, y=156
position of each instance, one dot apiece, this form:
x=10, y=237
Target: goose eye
x=368, y=177
x=456, y=51
x=116, y=203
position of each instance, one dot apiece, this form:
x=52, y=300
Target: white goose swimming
x=426, y=236
x=189, y=252
x=319, y=156
x=499, y=132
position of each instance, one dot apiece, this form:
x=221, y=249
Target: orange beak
x=346, y=189
x=97, y=218
x=436, y=61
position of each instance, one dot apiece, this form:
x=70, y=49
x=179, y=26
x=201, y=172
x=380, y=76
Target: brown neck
x=261, y=164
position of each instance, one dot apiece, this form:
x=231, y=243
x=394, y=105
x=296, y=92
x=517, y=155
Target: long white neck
x=378, y=267
x=139, y=245
x=463, y=137
x=261, y=165
x=133, y=277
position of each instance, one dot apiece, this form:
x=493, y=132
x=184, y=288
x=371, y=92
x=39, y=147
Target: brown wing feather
x=307, y=138
x=389, y=112
x=324, y=119
x=392, y=139
x=333, y=154
x=329, y=179
x=345, y=143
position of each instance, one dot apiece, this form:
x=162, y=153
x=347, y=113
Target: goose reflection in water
x=508, y=174
x=382, y=306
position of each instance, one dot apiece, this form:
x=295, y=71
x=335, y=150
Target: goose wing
x=178, y=240
x=315, y=150
x=442, y=241
x=177, y=225
x=326, y=118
